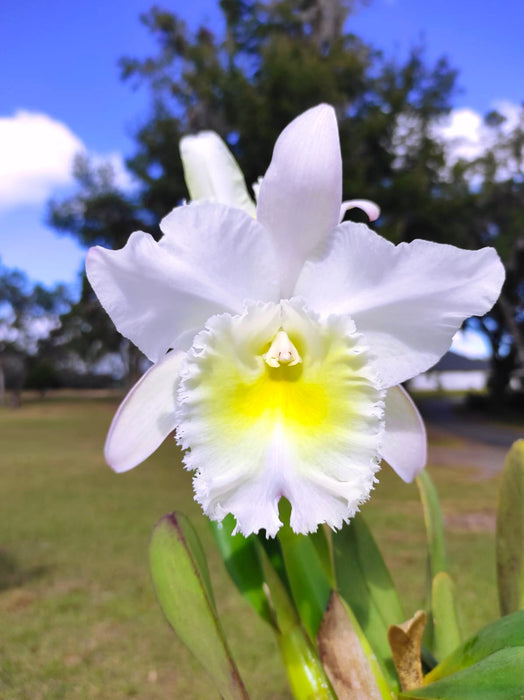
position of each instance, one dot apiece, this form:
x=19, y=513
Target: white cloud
x=465, y=134
x=36, y=157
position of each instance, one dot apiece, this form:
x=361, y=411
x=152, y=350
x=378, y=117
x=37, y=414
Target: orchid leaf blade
x=364, y=582
x=305, y=672
x=445, y=624
x=310, y=586
x=374, y=569
x=503, y=633
x=304, y=669
x=322, y=541
x=242, y=560
x=510, y=532
x=436, y=546
x=433, y=522
x=497, y=677
x=183, y=587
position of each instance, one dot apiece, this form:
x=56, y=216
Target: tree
x=275, y=59
x=27, y=313
x=100, y=214
x=496, y=217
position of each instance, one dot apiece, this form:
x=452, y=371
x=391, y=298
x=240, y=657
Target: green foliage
x=497, y=677
x=274, y=61
x=365, y=583
x=442, y=632
x=445, y=624
x=257, y=580
x=182, y=584
x=242, y=560
x=310, y=586
x=101, y=213
x=306, y=676
x=296, y=578
x=42, y=375
x=27, y=314
x=506, y=632
x=510, y=532
x=21, y=304
x=433, y=522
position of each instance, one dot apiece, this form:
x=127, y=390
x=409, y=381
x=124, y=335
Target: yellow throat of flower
x=281, y=394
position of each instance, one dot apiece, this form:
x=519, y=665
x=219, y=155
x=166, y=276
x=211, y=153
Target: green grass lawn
x=78, y=616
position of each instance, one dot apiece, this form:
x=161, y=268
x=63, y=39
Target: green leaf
x=436, y=546
x=506, y=632
x=355, y=543
x=306, y=674
x=309, y=583
x=445, y=624
x=497, y=677
x=283, y=607
x=510, y=532
x=273, y=550
x=322, y=541
x=183, y=587
x=242, y=560
x=364, y=582
x=433, y=522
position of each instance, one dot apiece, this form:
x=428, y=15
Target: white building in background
x=453, y=373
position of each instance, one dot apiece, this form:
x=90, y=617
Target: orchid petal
x=371, y=209
x=211, y=259
x=407, y=300
x=301, y=192
x=145, y=417
x=256, y=187
x=404, y=446
x=211, y=172
x=308, y=432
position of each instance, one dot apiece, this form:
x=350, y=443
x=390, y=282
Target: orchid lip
x=255, y=428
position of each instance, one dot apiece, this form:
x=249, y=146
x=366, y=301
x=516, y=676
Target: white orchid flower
x=279, y=342
x=211, y=173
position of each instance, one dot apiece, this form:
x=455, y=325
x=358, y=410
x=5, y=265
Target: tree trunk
x=508, y=314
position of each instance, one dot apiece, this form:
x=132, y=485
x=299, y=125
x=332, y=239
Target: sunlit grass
x=77, y=611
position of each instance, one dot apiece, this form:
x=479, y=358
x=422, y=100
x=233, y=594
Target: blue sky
x=59, y=67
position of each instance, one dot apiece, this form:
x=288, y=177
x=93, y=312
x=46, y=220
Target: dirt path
x=457, y=438
x=446, y=449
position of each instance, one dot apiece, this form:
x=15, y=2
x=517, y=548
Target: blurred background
x=93, y=101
